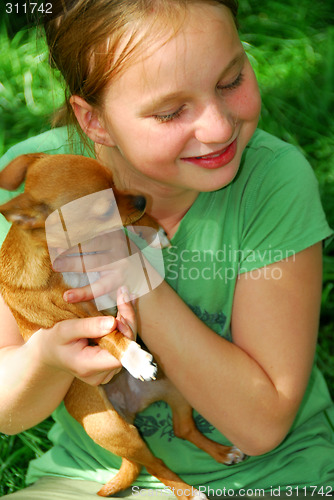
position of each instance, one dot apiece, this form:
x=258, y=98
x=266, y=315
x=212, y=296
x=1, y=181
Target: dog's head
x=52, y=181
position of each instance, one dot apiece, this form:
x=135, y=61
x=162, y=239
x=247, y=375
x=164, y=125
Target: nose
x=215, y=125
x=139, y=203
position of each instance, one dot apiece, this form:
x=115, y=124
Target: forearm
x=218, y=378
x=29, y=390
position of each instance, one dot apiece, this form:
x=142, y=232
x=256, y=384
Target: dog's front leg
x=134, y=359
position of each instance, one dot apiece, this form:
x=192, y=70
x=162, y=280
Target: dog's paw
x=139, y=363
x=235, y=456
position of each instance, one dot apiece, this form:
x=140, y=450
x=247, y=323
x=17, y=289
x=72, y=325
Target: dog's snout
x=140, y=203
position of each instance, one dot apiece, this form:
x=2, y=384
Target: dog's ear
x=25, y=212
x=12, y=176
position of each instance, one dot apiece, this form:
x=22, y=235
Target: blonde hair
x=84, y=37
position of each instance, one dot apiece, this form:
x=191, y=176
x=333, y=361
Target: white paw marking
x=235, y=456
x=139, y=363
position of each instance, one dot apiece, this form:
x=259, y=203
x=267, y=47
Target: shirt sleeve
x=282, y=212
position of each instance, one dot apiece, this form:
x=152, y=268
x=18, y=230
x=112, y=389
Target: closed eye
x=170, y=116
x=163, y=118
x=110, y=211
x=233, y=85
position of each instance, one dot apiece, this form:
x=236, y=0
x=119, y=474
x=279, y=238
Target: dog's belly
x=129, y=395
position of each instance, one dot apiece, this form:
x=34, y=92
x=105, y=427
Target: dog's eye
x=103, y=207
x=110, y=210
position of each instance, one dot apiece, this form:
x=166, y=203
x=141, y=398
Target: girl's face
x=182, y=115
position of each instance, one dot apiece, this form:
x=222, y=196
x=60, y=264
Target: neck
x=166, y=203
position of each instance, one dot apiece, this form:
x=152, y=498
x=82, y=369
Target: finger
x=134, y=301
x=101, y=378
x=75, y=295
x=106, y=284
x=126, y=312
x=94, y=360
x=125, y=329
x=83, y=328
x=110, y=376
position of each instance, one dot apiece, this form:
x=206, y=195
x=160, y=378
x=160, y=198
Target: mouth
x=215, y=160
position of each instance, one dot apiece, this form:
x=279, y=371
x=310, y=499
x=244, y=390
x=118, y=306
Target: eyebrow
x=170, y=98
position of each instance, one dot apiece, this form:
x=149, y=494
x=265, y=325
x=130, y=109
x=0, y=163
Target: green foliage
x=17, y=451
x=29, y=91
x=292, y=52
x=291, y=47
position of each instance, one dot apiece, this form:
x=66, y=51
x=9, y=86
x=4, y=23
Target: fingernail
x=69, y=296
x=57, y=265
x=124, y=293
x=107, y=324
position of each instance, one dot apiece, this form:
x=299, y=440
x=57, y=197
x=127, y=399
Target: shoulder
x=278, y=197
x=272, y=167
x=265, y=153
x=55, y=141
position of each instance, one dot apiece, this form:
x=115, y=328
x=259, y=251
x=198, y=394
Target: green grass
x=28, y=90
x=291, y=46
x=17, y=451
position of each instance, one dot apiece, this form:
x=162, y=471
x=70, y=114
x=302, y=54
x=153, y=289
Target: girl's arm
x=36, y=375
x=250, y=389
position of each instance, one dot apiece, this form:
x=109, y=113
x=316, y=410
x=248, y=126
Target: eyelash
x=169, y=117
x=231, y=86
x=173, y=116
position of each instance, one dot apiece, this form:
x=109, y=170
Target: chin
x=217, y=179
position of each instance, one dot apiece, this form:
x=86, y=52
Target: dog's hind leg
x=109, y=430
x=185, y=428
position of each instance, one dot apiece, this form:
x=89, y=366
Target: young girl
x=167, y=96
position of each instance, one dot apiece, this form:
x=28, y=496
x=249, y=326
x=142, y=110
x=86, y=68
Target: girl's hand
x=66, y=346
x=113, y=260
x=107, y=282
x=104, y=258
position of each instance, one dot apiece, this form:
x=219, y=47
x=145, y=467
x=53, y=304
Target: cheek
x=251, y=98
x=247, y=101
x=160, y=144
x=247, y=106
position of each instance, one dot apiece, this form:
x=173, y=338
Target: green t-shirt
x=269, y=212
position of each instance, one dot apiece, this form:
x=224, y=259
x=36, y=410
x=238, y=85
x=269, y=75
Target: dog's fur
x=34, y=293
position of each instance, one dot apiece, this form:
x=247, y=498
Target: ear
x=89, y=121
x=25, y=212
x=12, y=176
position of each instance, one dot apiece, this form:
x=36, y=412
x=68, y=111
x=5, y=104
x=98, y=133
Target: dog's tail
x=126, y=475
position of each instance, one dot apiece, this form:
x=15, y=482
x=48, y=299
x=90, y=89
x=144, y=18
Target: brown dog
x=34, y=293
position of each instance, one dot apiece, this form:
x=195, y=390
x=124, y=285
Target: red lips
x=215, y=160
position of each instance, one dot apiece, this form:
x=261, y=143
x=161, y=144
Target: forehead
x=172, y=48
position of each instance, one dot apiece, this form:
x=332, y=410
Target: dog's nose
x=140, y=203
